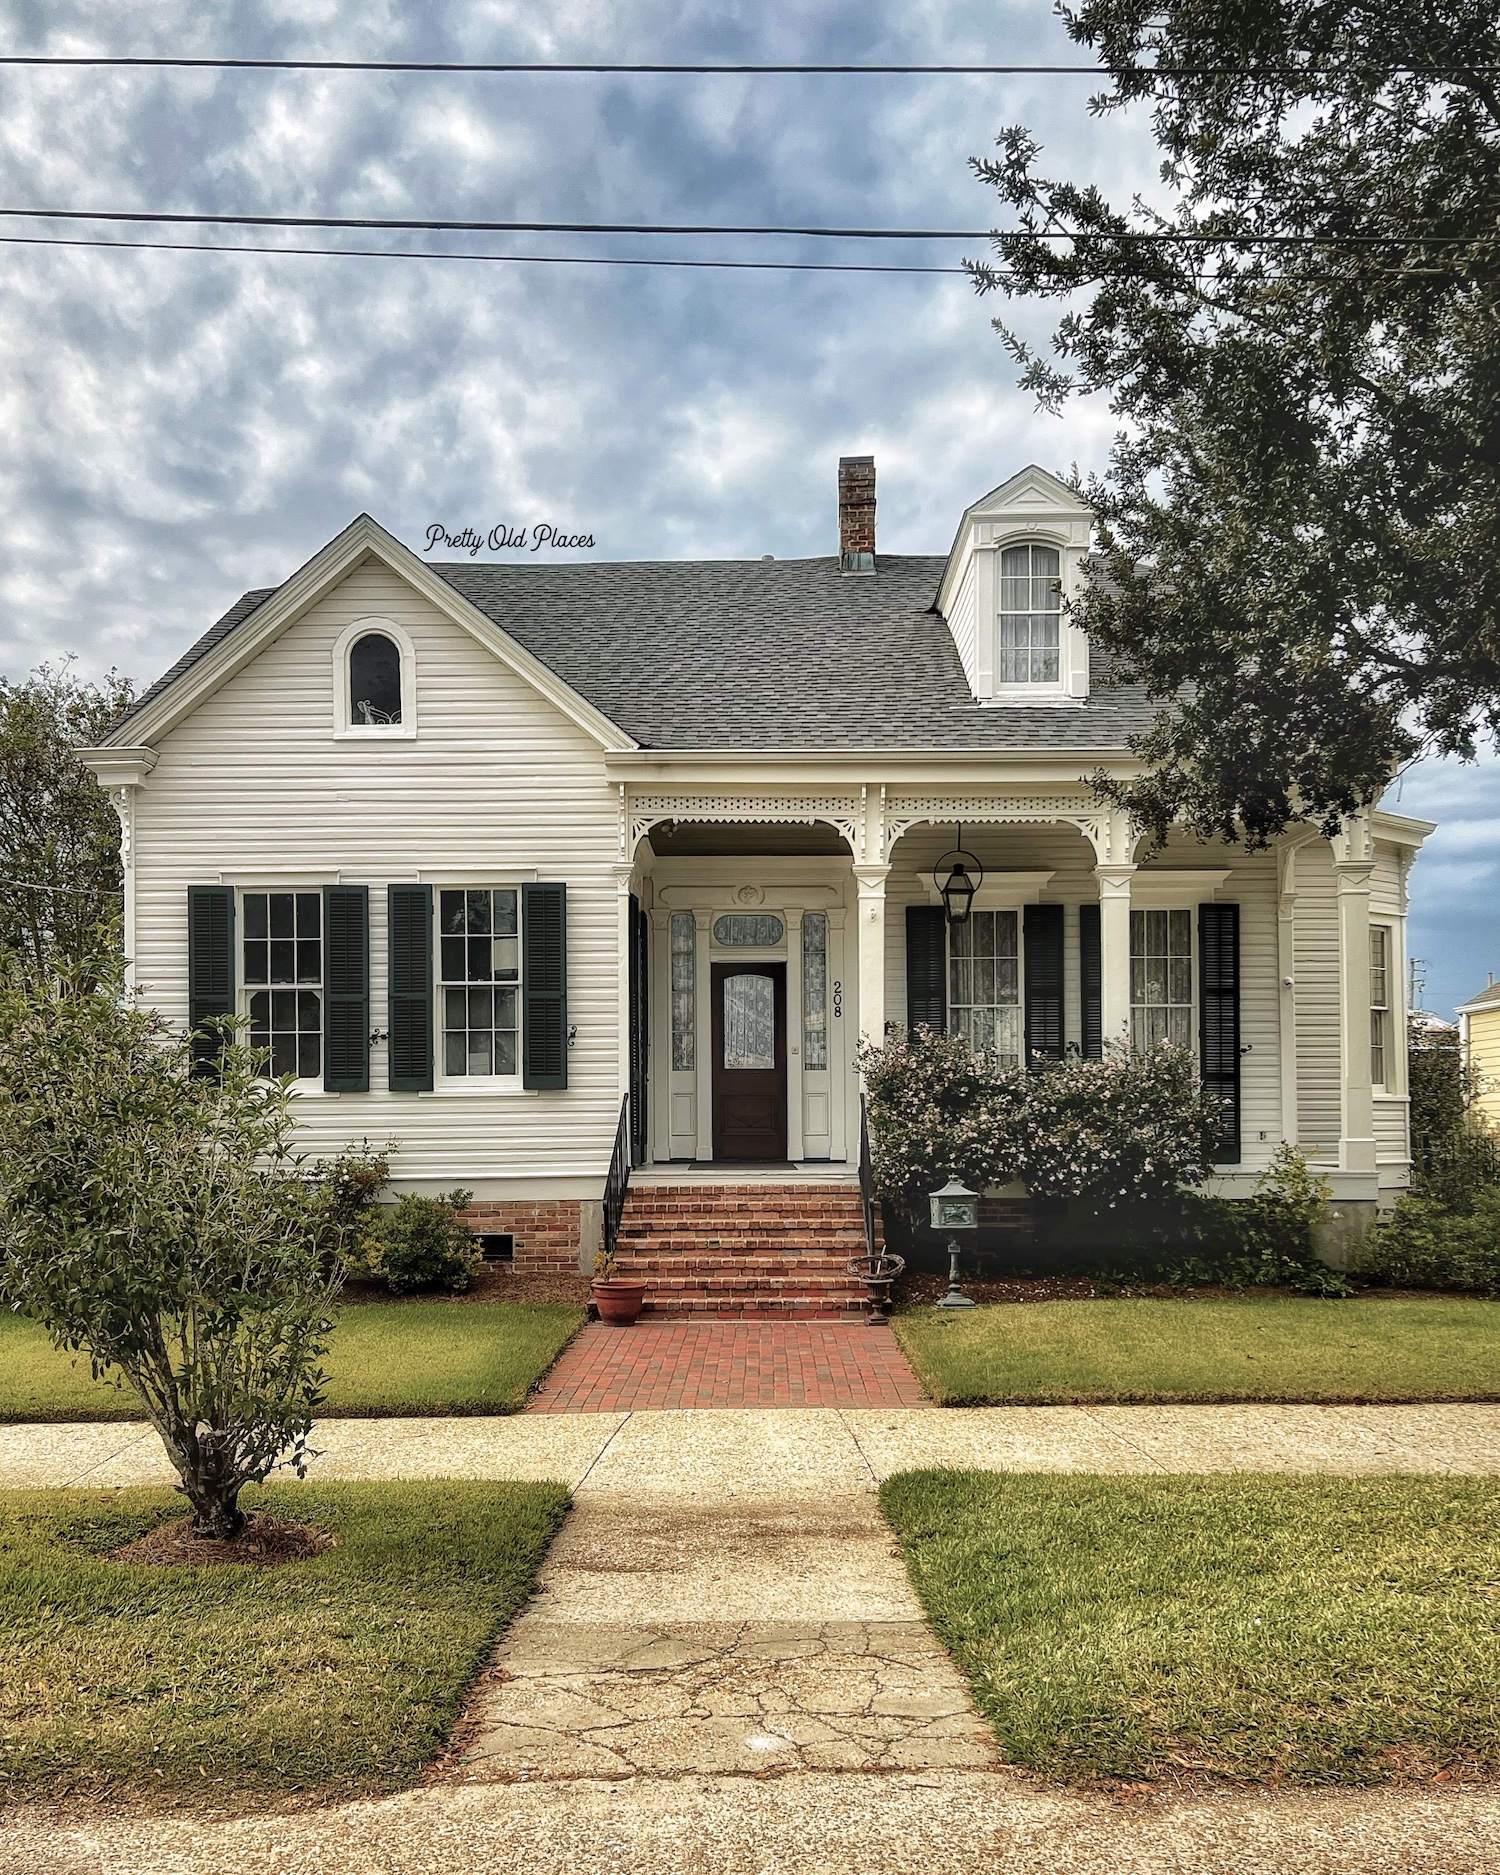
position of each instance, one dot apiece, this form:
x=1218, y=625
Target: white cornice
x=364, y=539
x=124, y=767
x=1400, y=829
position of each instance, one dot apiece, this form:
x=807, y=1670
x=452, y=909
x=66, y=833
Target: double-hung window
x=479, y=963
x=1030, y=615
x=984, y=983
x=1380, y=1005
x=1161, y=978
x=283, y=973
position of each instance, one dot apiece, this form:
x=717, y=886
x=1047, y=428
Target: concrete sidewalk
x=808, y=1451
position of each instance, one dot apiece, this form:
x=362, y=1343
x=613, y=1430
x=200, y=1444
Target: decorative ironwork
x=616, y=1183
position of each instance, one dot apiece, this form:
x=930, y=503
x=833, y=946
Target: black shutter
x=346, y=989
x=1219, y=1016
x=544, y=964
x=926, y=968
x=409, y=984
x=210, y=966
x=1042, y=931
x=1091, y=982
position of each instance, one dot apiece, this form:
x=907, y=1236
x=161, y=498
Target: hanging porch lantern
x=957, y=876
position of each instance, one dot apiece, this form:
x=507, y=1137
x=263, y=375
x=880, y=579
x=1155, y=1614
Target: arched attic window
x=374, y=681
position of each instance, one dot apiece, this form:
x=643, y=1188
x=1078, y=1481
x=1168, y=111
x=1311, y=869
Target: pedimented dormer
x=1015, y=565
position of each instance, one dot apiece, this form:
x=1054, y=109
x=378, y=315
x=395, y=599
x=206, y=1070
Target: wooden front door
x=749, y=1073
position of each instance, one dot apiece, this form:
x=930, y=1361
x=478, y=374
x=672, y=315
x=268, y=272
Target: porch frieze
x=643, y=810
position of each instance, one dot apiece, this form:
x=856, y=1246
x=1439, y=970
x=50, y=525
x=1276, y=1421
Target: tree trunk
x=216, y=1507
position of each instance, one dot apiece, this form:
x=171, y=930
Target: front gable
x=364, y=544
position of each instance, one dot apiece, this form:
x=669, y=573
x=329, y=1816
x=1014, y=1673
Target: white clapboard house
x=516, y=864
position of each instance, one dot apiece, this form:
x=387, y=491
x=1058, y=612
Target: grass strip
x=1310, y=1631
x=1141, y=1350
x=234, y=1687
x=385, y=1361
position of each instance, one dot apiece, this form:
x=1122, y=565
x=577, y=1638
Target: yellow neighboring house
x=1479, y=1037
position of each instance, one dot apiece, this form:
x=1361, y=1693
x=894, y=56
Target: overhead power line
x=607, y=67
x=1174, y=237
x=530, y=260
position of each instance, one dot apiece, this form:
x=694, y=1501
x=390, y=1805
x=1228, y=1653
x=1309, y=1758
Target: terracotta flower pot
x=619, y=1298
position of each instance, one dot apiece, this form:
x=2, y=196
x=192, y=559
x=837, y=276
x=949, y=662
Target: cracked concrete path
x=725, y=1670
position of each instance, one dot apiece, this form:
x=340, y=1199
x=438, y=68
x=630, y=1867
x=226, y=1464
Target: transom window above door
x=748, y=928
x=1030, y=615
x=479, y=961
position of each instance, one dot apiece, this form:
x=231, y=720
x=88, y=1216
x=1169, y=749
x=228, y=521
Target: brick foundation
x=548, y=1232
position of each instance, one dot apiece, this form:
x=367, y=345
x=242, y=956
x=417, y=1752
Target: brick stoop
x=751, y=1249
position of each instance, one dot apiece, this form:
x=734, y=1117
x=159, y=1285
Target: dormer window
x=1030, y=615
x=374, y=682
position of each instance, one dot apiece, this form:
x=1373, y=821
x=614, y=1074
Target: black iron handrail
x=616, y=1182
x=866, y=1178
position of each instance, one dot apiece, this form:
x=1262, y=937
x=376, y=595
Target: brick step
x=849, y=1215
x=748, y=1243
x=716, y=1308
x=697, y=1276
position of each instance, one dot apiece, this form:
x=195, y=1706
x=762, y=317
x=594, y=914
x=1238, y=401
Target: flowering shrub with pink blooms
x=938, y=1111
x=1131, y=1127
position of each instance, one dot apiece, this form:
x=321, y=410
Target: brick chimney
x=856, y=514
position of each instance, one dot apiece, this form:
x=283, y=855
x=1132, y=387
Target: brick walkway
x=655, y=1366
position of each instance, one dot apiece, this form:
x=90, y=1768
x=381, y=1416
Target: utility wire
x=606, y=67
x=1172, y=237
x=531, y=260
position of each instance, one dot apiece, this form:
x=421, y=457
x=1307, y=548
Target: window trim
x=469, y=1084
x=344, y=729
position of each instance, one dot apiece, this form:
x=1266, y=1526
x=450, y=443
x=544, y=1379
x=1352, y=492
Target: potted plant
x=618, y=1298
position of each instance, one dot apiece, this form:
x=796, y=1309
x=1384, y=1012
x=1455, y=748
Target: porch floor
x=655, y=1366
x=750, y=1172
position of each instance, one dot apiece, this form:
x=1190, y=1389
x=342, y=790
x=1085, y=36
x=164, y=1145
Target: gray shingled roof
x=761, y=654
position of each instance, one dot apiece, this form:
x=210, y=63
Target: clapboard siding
x=497, y=785
x=961, y=622
x=1317, y=992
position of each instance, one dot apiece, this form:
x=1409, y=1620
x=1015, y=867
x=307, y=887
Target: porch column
x=1114, y=951
x=624, y=873
x=1286, y=969
x=1353, y=861
x=871, y=881
x=703, y=1043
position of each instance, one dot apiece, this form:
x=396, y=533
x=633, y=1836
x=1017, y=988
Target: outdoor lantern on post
x=957, y=877
x=954, y=1208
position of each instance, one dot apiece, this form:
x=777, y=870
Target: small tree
x=1129, y=1128
x=938, y=1111
x=160, y=1222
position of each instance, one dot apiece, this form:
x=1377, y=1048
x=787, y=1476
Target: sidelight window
x=684, y=991
x=815, y=989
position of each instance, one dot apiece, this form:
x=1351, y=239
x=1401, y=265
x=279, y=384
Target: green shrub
x=422, y=1243
x=1266, y=1238
x=1424, y=1244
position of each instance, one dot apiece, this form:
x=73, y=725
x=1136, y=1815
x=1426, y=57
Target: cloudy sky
x=175, y=427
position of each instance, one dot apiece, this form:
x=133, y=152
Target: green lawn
x=1045, y=1353
x=385, y=1361
x=1303, y=1630
x=230, y=1686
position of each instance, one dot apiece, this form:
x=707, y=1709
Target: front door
x=749, y=1072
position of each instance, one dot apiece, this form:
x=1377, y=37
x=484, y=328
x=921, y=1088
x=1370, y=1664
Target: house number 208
x=838, y=1001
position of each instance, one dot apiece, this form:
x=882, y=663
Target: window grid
x=479, y=959
x=984, y=983
x=1161, y=978
x=1380, y=1003
x=1030, y=615
x=684, y=991
x=815, y=989
x=283, y=949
